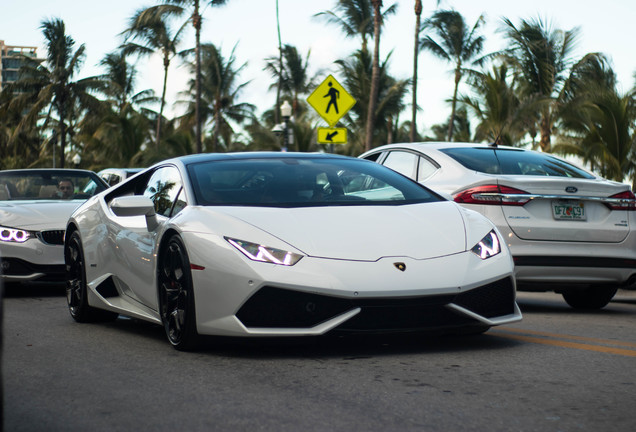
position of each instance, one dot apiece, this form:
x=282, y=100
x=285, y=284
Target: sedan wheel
x=76, y=289
x=176, y=296
x=591, y=298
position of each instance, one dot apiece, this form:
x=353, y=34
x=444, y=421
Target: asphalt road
x=557, y=370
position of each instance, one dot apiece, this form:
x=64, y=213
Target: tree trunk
x=166, y=64
x=377, y=23
x=217, y=125
x=546, y=131
x=62, y=112
x=418, y=13
x=451, y=122
x=280, y=69
x=196, y=22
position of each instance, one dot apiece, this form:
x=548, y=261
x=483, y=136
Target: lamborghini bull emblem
x=400, y=266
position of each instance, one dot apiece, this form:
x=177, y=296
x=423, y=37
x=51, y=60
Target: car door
x=136, y=245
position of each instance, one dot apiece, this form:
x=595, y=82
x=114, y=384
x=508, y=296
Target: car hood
x=364, y=233
x=37, y=215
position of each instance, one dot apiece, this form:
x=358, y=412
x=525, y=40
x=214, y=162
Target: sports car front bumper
x=239, y=297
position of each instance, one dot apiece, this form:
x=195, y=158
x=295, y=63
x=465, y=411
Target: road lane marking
x=560, y=340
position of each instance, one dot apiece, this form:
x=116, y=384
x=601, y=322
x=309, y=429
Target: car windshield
x=302, y=182
x=514, y=162
x=49, y=184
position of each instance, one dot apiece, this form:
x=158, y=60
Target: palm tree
x=49, y=87
x=416, y=47
x=542, y=59
x=220, y=91
x=455, y=43
x=377, y=23
x=18, y=145
x=357, y=70
x=118, y=135
x=196, y=23
x=151, y=28
x=598, y=122
x=416, y=54
x=496, y=105
x=293, y=79
x=356, y=18
x=461, y=127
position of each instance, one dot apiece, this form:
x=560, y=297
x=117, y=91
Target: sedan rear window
x=514, y=162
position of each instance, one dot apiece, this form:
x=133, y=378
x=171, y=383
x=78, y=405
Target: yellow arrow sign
x=332, y=135
x=331, y=101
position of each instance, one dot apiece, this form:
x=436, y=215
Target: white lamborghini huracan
x=284, y=244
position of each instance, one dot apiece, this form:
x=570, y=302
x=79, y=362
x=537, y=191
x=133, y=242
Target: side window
x=425, y=169
x=402, y=162
x=373, y=156
x=163, y=189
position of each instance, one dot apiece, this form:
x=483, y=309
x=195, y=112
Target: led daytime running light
x=488, y=246
x=14, y=235
x=261, y=253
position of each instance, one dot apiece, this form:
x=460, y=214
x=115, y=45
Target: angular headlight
x=14, y=235
x=488, y=246
x=258, y=252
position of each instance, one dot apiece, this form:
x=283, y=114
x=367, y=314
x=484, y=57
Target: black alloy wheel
x=76, y=289
x=176, y=296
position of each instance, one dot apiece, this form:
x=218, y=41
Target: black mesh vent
x=52, y=237
x=275, y=307
x=280, y=308
x=492, y=300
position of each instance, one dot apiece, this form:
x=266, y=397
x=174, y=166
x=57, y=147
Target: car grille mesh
x=273, y=307
x=52, y=237
x=492, y=300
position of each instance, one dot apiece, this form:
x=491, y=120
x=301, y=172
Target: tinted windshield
x=301, y=182
x=48, y=185
x=514, y=162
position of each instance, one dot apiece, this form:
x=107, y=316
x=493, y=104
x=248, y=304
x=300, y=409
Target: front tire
x=176, y=296
x=590, y=298
x=76, y=288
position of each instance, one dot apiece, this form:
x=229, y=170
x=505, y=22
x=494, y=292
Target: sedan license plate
x=568, y=210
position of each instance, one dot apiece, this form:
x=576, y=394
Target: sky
x=249, y=26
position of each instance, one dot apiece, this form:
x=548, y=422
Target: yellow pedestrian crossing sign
x=331, y=101
x=332, y=135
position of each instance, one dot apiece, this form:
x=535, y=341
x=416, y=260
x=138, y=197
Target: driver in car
x=65, y=189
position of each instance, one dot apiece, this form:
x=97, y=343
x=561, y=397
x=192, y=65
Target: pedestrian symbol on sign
x=331, y=101
x=333, y=94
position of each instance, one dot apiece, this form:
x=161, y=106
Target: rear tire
x=589, y=298
x=176, y=296
x=76, y=288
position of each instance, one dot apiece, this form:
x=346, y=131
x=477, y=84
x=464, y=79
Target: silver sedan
x=569, y=230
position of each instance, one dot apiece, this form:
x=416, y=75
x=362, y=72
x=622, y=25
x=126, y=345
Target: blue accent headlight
x=14, y=235
x=258, y=252
x=488, y=246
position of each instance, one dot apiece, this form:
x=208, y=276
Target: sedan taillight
x=622, y=201
x=492, y=195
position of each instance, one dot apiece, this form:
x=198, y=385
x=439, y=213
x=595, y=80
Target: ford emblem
x=571, y=189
